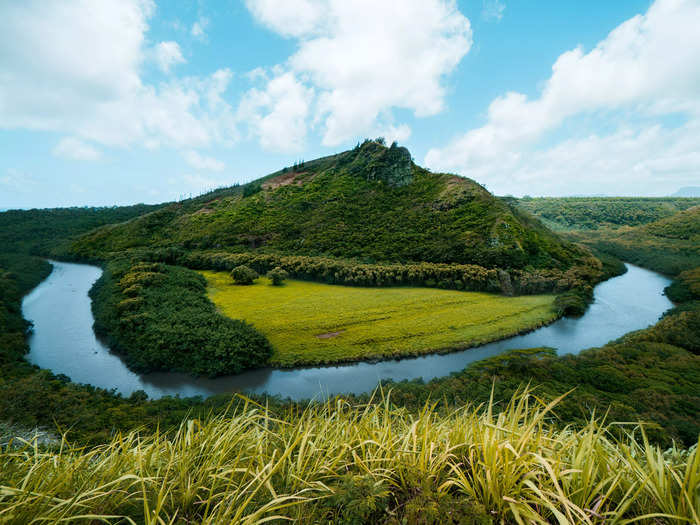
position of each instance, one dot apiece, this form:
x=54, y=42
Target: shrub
x=243, y=275
x=170, y=324
x=277, y=275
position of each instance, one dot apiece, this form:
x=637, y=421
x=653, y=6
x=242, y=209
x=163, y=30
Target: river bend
x=64, y=342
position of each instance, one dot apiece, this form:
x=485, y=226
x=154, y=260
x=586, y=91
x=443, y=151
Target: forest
x=594, y=213
x=159, y=318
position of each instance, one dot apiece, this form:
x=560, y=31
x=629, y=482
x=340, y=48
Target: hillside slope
x=594, y=213
x=669, y=245
x=371, y=203
x=47, y=231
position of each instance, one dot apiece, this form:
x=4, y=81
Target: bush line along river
x=64, y=342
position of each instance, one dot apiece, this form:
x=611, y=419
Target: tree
x=243, y=275
x=277, y=275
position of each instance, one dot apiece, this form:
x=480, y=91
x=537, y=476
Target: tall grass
x=337, y=463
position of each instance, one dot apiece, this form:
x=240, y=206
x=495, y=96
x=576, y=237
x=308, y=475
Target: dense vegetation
x=669, y=245
x=159, y=317
x=368, y=203
x=342, y=464
x=651, y=375
x=588, y=272
x=50, y=231
x=18, y=275
x=593, y=213
x=310, y=323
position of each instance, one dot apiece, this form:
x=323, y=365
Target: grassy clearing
x=336, y=463
x=313, y=323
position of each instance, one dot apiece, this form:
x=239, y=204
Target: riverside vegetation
x=350, y=460
x=159, y=318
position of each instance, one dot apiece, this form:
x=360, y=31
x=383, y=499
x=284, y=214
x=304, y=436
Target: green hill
x=371, y=204
x=593, y=213
x=48, y=231
x=668, y=245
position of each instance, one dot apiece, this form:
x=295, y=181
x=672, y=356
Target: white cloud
x=199, y=28
x=277, y=114
x=647, y=66
x=74, y=67
x=75, y=149
x=364, y=58
x=201, y=162
x=392, y=133
x=493, y=10
x=168, y=54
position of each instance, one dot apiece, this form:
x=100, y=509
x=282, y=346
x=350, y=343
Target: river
x=64, y=342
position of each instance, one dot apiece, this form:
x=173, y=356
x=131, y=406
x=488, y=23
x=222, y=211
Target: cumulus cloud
x=168, y=54
x=646, y=66
x=277, y=113
x=75, y=149
x=73, y=66
x=201, y=162
x=364, y=58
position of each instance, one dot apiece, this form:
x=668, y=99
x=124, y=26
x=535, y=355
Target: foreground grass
x=313, y=323
x=336, y=463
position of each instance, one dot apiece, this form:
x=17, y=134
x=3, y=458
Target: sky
x=127, y=101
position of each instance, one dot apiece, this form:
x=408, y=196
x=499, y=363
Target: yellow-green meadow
x=314, y=323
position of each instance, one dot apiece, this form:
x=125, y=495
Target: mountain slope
x=371, y=203
x=594, y=213
x=669, y=245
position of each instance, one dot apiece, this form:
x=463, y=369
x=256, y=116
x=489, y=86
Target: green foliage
x=243, y=275
x=678, y=327
x=630, y=381
x=159, y=317
x=589, y=271
x=686, y=287
x=593, y=213
x=371, y=203
x=277, y=275
x=348, y=464
x=49, y=231
x=18, y=275
x=574, y=302
x=669, y=245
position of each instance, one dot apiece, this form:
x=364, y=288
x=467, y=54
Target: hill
x=371, y=203
x=669, y=245
x=47, y=231
x=594, y=213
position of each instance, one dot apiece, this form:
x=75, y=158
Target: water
x=64, y=342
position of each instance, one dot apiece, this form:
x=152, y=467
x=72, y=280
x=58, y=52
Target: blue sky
x=125, y=101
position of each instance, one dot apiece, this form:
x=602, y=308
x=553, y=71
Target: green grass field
x=313, y=323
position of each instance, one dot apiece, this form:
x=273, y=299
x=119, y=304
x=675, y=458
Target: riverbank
x=68, y=346
x=37, y=398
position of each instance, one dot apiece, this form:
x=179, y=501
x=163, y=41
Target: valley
x=447, y=296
